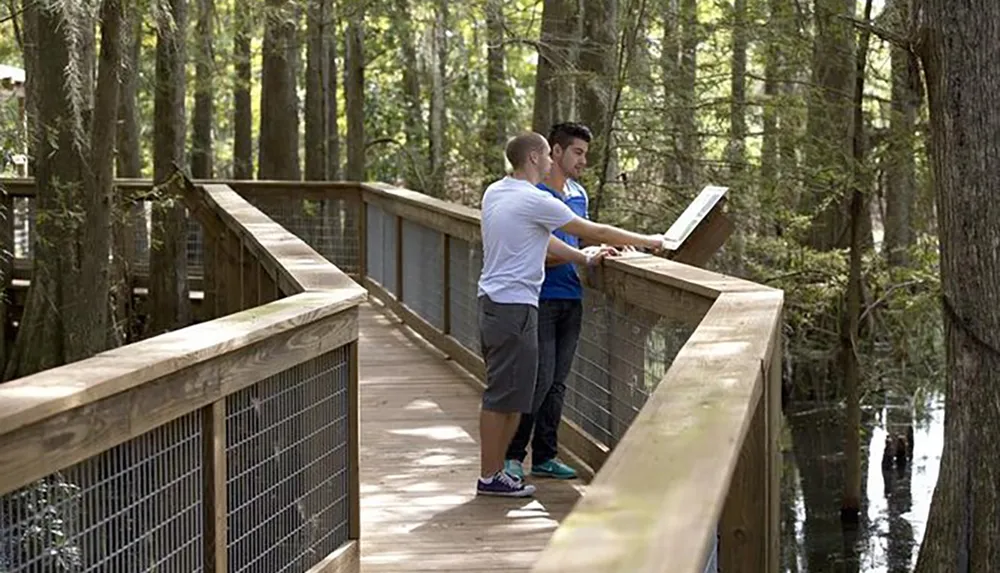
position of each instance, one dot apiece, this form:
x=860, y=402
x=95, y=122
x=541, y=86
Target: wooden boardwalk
x=420, y=460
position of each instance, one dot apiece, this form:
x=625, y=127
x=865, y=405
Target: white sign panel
x=693, y=215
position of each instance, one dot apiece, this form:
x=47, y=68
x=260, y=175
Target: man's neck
x=525, y=175
x=556, y=180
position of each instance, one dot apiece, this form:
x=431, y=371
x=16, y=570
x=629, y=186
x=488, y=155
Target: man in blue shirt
x=560, y=315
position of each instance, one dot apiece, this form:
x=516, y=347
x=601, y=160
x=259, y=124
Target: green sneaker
x=514, y=468
x=553, y=469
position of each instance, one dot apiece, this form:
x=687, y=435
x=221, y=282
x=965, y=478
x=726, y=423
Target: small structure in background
x=12, y=86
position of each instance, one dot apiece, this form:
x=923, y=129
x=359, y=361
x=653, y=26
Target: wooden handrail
x=656, y=501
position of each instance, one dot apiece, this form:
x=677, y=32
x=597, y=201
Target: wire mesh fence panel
x=23, y=225
x=623, y=353
x=329, y=226
x=146, y=236
x=195, y=248
x=138, y=221
x=423, y=272
x=381, y=247
x=136, y=507
x=287, y=455
x=464, y=265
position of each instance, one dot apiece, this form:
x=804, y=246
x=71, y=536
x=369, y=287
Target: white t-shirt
x=517, y=221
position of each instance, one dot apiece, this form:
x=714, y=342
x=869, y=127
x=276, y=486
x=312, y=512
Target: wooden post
x=706, y=239
x=220, y=276
x=6, y=267
x=744, y=528
x=250, y=281
x=214, y=504
x=234, y=270
x=362, y=238
x=354, y=443
x=446, y=284
x=773, y=395
x=399, y=258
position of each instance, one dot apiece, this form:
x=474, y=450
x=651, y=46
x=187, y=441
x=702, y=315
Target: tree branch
x=900, y=41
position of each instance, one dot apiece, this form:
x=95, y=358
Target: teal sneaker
x=514, y=468
x=553, y=469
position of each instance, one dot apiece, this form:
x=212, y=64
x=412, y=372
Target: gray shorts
x=508, y=334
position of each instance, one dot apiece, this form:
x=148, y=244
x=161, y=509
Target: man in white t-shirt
x=517, y=224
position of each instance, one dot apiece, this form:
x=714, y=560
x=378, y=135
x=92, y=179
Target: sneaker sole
x=523, y=493
x=552, y=475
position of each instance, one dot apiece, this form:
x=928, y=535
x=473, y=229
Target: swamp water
x=895, y=500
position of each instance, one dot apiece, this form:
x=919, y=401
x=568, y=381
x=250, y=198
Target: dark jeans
x=559, y=323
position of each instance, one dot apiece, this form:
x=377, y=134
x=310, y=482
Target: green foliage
x=45, y=526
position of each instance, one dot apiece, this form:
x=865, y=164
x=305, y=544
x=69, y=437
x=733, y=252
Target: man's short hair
x=521, y=145
x=563, y=134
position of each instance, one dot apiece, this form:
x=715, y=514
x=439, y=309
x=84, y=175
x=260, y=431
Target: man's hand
x=657, y=243
x=594, y=255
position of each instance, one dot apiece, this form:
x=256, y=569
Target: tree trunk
x=686, y=112
x=129, y=157
x=669, y=53
x=168, y=296
x=743, y=205
x=850, y=507
x=332, y=126
x=242, y=110
x=66, y=314
x=769, y=144
x=737, y=114
x=830, y=120
x=129, y=226
x=438, y=119
x=279, y=107
x=204, y=93
x=497, y=97
x=963, y=89
x=316, y=70
x=598, y=78
x=413, y=114
x=354, y=84
x=901, y=174
x=553, y=94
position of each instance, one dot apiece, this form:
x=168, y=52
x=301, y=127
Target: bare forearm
x=559, y=252
x=615, y=236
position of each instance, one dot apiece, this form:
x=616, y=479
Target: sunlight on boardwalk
x=419, y=462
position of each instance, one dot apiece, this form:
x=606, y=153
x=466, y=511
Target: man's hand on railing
x=596, y=254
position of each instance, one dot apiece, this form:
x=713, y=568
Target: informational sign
x=693, y=215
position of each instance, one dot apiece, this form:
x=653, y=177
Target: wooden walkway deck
x=420, y=460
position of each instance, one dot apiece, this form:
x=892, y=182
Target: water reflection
x=895, y=498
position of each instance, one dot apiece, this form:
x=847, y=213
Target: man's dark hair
x=521, y=146
x=564, y=133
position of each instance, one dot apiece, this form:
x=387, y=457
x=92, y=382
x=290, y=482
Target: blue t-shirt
x=561, y=281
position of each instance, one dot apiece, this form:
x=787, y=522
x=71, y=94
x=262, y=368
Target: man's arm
x=559, y=252
x=606, y=234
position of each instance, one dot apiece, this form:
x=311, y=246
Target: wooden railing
x=672, y=407
x=229, y=445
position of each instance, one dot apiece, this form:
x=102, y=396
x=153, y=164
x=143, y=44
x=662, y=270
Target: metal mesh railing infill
x=423, y=272
x=135, y=507
x=622, y=354
x=329, y=226
x=381, y=263
x=465, y=264
x=287, y=455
